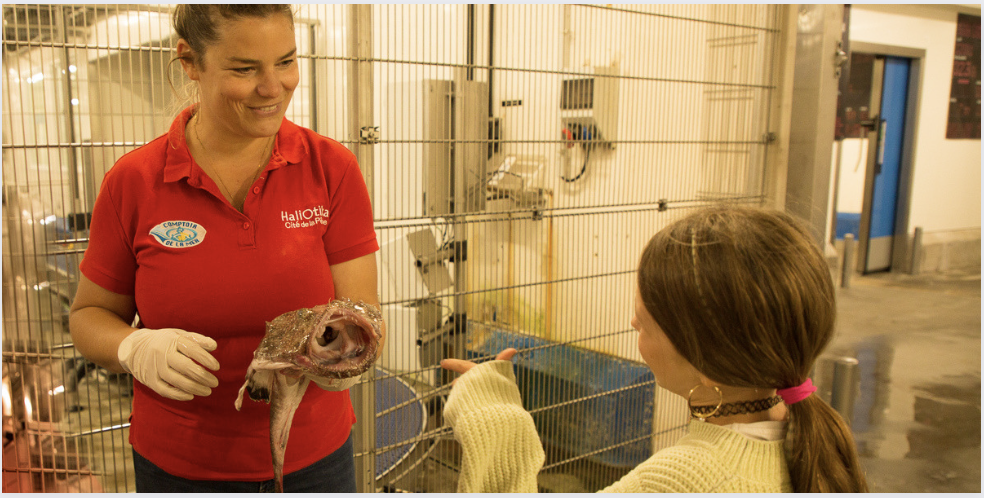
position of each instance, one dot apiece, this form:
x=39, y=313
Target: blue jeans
x=333, y=474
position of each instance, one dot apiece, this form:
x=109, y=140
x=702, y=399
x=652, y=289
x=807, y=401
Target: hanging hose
x=584, y=167
x=584, y=136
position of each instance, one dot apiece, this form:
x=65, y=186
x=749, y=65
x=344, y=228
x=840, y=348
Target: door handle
x=882, y=124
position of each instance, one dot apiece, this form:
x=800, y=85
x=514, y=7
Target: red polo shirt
x=162, y=232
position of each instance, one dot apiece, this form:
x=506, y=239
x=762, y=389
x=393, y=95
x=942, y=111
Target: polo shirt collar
x=288, y=148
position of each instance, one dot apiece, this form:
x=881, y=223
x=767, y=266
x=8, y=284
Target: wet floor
x=917, y=416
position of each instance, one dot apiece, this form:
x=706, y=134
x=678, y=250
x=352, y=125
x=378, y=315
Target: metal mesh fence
x=518, y=156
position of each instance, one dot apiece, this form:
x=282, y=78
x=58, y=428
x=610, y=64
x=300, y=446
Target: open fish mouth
x=345, y=347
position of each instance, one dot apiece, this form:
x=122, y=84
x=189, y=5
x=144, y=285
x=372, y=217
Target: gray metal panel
x=437, y=122
x=455, y=130
x=864, y=230
x=901, y=252
x=813, y=115
x=471, y=151
x=879, y=255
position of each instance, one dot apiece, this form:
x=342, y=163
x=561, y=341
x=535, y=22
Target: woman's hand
x=462, y=366
x=170, y=361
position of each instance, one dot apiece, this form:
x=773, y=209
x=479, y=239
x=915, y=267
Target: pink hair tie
x=796, y=394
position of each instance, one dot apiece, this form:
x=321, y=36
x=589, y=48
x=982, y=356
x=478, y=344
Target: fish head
x=343, y=343
x=331, y=344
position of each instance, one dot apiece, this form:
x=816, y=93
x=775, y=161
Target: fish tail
x=285, y=394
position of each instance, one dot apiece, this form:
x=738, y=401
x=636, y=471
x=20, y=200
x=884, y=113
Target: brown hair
x=198, y=24
x=746, y=297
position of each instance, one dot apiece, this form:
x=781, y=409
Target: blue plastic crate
x=555, y=374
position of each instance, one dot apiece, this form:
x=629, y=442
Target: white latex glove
x=164, y=360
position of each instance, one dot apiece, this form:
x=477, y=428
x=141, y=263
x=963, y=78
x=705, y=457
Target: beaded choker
x=737, y=408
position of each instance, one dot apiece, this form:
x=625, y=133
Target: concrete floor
x=917, y=418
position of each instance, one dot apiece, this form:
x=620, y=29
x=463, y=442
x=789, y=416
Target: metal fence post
x=843, y=394
x=361, y=111
x=838, y=379
x=847, y=268
x=916, y=265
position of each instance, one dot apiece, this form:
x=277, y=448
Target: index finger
x=456, y=365
x=190, y=348
x=506, y=354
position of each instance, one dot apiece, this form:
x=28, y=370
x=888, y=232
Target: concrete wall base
x=941, y=252
x=948, y=251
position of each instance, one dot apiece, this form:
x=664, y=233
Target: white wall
x=850, y=183
x=946, y=174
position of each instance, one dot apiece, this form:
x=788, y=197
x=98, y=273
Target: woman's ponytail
x=821, y=454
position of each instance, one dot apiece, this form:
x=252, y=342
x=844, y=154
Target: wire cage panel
x=519, y=157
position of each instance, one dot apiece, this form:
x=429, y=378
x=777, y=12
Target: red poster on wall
x=965, y=91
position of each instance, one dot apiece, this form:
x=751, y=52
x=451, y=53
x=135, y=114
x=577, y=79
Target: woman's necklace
x=226, y=191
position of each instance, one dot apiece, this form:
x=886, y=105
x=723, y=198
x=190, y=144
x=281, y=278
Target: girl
x=733, y=306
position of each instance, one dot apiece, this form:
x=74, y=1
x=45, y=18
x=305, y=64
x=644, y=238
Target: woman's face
x=247, y=77
x=672, y=371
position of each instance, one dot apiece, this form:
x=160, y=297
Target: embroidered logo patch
x=179, y=233
x=302, y=218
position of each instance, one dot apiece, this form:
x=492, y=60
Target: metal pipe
x=847, y=268
x=837, y=380
x=470, y=50
x=490, y=61
x=916, y=265
x=74, y=169
x=842, y=393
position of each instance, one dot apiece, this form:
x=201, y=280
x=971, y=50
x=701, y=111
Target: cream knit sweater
x=502, y=452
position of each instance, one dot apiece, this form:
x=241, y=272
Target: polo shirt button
x=246, y=225
x=256, y=190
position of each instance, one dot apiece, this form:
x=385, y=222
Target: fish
x=331, y=344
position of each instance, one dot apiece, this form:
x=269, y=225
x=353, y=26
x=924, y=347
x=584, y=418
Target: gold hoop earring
x=698, y=414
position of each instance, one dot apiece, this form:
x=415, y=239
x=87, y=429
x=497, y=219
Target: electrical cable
x=445, y=239
x=860, y=147
x=584, y=167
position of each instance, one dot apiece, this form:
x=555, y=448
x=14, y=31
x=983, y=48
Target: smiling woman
x=246, y=77
x=230, y=166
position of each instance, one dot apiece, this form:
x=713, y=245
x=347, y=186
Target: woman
x=232, y=218
x=733, y=308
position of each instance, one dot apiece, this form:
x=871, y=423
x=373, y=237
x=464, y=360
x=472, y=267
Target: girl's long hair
x=746, y=297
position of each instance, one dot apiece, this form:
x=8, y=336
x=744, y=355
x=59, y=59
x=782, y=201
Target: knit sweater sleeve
x=673, y=470
x=501, y=451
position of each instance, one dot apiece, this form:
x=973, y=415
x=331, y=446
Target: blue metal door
x=895, y=89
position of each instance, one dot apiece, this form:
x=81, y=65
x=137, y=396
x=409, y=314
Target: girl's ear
x=187, y=57
x=704, y=381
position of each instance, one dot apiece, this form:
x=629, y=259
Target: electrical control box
x=455, y=145
x=589, y=107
